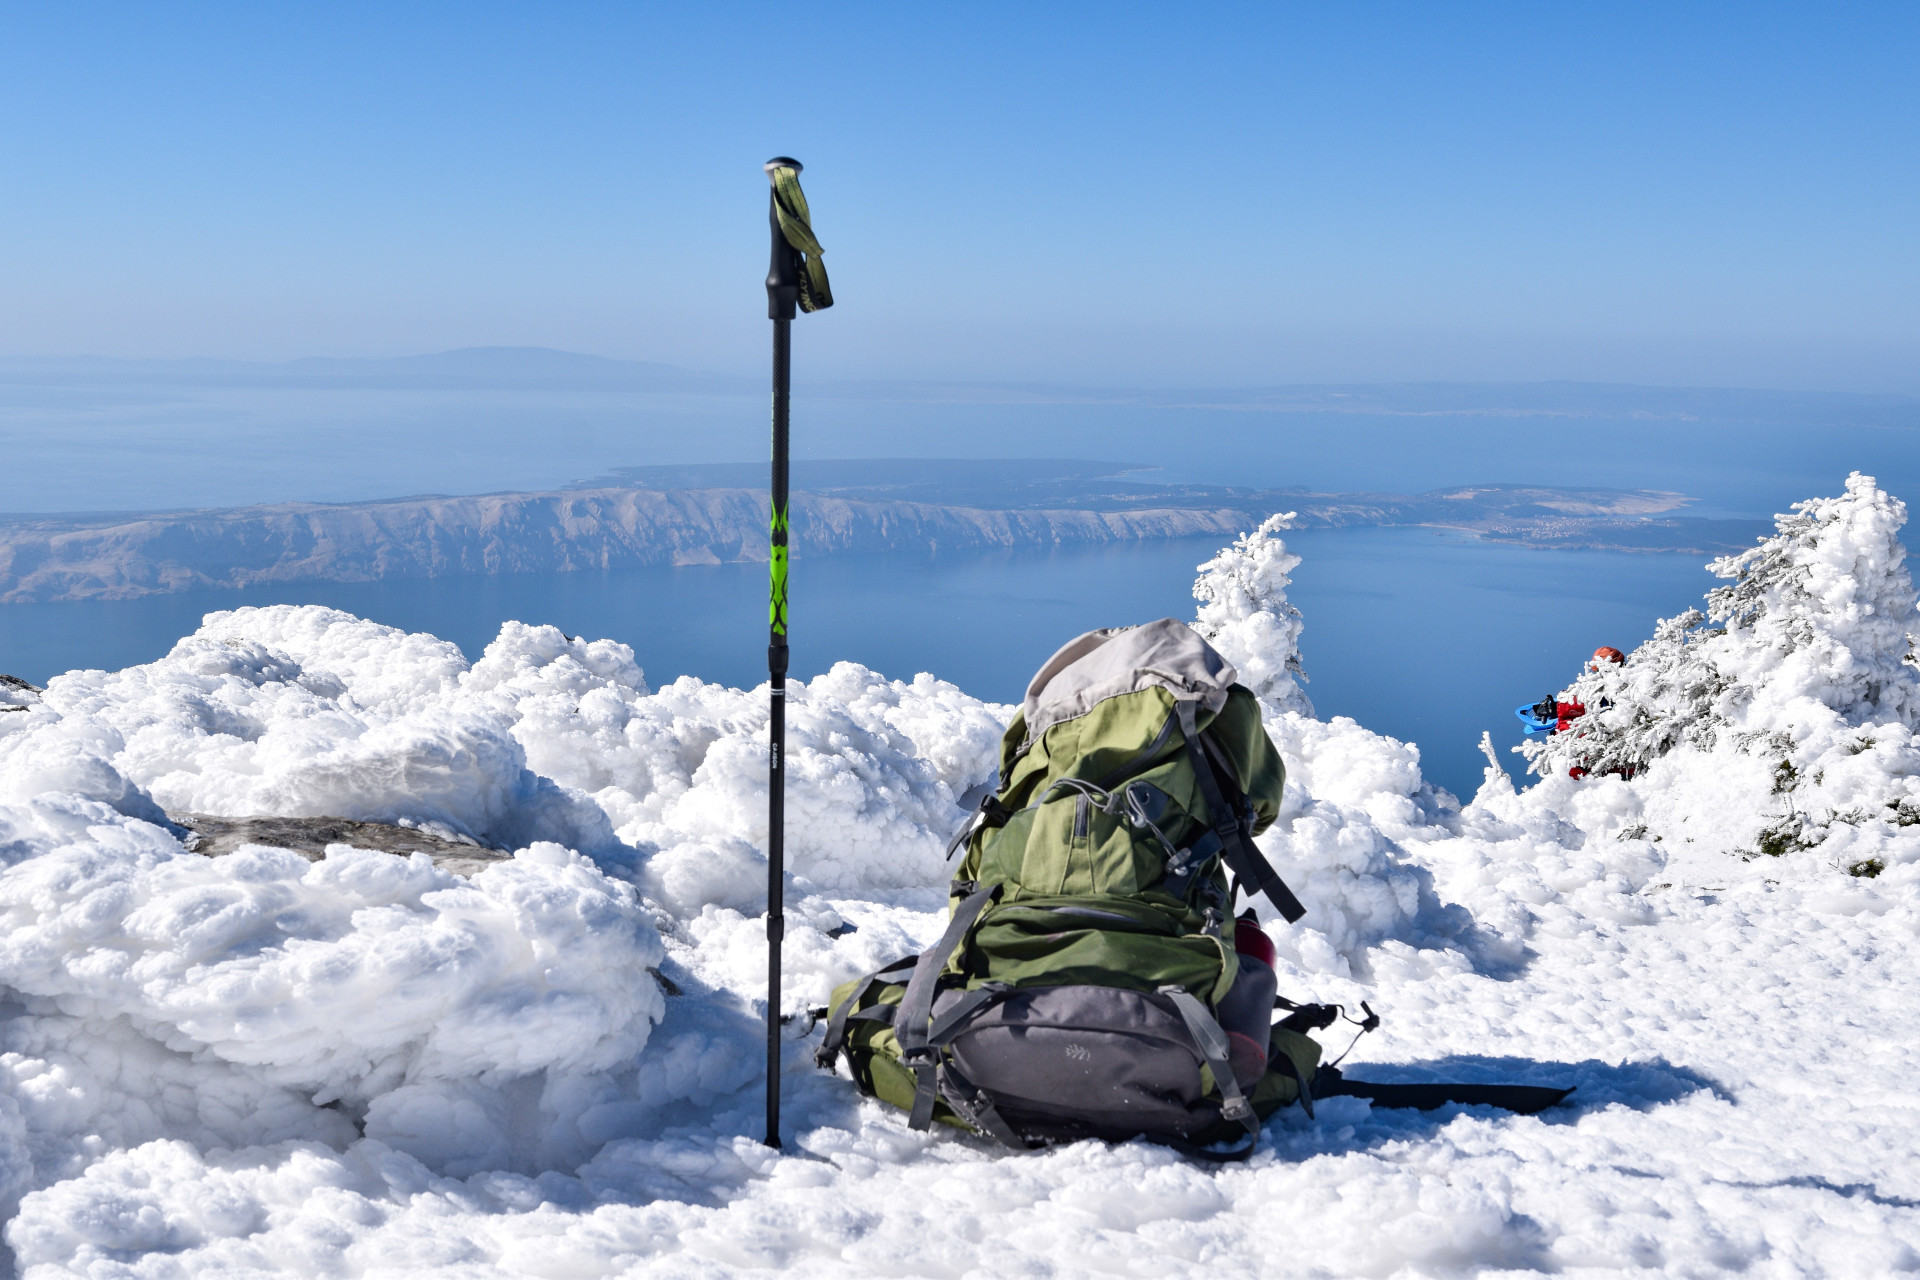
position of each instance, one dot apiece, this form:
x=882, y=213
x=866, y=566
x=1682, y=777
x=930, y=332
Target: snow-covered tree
x=1244, y=613
x=1811, y=629
x=1822, y=609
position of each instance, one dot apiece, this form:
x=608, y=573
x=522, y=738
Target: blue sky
x=1150, y=196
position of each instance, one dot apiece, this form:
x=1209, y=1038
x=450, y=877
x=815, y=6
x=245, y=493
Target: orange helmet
x=1609, y=653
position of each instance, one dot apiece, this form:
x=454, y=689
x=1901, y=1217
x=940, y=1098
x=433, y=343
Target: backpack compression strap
x=1211, y=1041
x=991, y=813
x=912, y=1026
x=1237, y=850
x=836, y=1038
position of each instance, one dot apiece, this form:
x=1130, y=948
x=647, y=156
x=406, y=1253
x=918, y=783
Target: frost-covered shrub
x=1353, y=797
x=1810, y=630
x=1245, y=614
x=257, y=997
x=1778, y=721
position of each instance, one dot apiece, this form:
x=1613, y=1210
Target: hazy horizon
x=104, y=434
x=538, y=362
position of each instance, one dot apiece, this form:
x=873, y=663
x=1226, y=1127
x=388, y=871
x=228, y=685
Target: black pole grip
x=783, y=271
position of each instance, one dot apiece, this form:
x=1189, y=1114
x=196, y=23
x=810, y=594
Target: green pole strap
x=777, y=610
x=790, y=205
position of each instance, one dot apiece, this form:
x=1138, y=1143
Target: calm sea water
x=1427, y=636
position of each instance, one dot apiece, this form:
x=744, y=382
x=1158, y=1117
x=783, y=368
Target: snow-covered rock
x=17, y=694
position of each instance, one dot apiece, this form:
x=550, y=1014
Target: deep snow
x=368, y=1066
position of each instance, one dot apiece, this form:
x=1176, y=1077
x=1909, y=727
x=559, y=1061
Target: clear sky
x=1107, y=194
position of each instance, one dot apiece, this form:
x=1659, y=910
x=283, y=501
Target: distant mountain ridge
x=514, y=533
x=875, y=505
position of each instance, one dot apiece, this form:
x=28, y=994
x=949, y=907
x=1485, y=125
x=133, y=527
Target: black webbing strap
x=1293, y=1068
x=1186, y=863
x=975, y=1106
x=951, y=1023
x=829, y=1049
x=1236, y=848
x=1524, y=1099
x=1211, y=1041
x=991, y=813
x=916, y=1007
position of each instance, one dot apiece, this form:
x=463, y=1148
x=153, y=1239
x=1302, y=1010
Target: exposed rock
x=309, y=837
x=16, y=694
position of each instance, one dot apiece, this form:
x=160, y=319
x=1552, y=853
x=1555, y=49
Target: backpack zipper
x=1147, y=920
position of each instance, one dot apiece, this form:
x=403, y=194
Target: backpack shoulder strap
x=1237, y=849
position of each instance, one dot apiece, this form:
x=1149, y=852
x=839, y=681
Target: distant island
x=714, y=514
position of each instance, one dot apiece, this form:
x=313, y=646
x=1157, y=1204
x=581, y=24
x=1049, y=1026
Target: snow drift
x=367, y=1065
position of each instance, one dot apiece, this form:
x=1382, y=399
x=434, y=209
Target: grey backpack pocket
x=1091, y=1061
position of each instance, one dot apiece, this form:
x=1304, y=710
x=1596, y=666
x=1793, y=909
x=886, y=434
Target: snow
x=368, y=1066
x=1794, y=695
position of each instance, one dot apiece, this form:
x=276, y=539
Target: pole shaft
x=777, y=722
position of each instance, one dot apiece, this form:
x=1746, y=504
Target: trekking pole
x=796, y=278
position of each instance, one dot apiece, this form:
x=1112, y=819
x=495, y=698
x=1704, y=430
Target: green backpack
x=1088, y=983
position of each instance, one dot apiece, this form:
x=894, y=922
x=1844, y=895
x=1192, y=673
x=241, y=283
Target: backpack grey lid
x=1091, y=668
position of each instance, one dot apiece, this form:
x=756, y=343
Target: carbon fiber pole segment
x=777, y=721
x=796, y=280
x=783, y=293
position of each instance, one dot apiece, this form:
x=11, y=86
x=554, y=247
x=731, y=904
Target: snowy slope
x=368, y=1066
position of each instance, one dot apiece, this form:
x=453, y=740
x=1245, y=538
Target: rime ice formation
x=256, y=1064
x=1245, y=614
x=1795, y=686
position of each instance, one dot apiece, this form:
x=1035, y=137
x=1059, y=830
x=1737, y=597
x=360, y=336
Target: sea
x=1427, y=635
